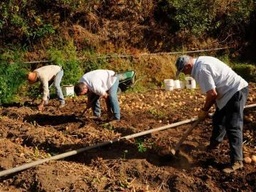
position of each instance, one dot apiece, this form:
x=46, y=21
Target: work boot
x=212, y=146
x=113, y=119
x=233, y=167
x=62, y=105
x=96, y=118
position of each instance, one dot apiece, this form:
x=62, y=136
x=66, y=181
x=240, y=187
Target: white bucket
x=182, y=84
x=168, y=84
x=68, y=90
x=190, y=83
x=177, y=84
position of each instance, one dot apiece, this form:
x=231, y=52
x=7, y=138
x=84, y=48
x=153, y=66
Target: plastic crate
x=126, y=79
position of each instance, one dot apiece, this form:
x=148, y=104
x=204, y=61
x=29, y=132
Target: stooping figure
x=47, y=75
x=228, y=91
x=98, y=84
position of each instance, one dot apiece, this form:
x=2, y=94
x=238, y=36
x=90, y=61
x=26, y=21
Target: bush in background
x=11, y=80
x=67, y=58
x=247, y=71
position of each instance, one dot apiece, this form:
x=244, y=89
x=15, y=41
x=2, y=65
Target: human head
x=32, y=77
x=80, y=88
x=181, y=62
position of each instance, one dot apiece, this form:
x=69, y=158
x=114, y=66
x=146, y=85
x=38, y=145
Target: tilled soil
x=111, y=156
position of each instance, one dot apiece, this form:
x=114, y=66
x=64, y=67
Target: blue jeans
x=56, y=83
x=111, y=101
x=229, y=120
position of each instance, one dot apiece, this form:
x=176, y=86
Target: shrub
x=248, y=72
x=92, y=61
x=11, y=79
x=66, y=57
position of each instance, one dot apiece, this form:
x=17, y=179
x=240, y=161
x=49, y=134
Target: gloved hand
x=202, y=115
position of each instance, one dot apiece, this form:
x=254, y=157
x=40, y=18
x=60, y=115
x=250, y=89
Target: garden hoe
x=85, y=110
x=175, y=151
x=79, y=118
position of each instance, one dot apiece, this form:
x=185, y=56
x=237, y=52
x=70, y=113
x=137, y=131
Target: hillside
x=128, y=27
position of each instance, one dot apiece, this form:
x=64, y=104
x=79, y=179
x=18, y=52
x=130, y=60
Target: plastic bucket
x=182, y=84
x=190, y=83
x=177, y=84
x=168, y=84
x=68, y=90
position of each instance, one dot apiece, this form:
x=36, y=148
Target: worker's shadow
x=30, y=104
x=44, y=119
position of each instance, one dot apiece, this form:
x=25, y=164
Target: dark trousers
x=229, y=120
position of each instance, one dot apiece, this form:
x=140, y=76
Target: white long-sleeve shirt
x=44, y=75
x=99, y=81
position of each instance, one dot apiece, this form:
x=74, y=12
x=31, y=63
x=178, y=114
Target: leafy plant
x=66, y=57
x=157, y=113
x=141, y=146
x=108, y=126
x=11, y=79
x=93, y=61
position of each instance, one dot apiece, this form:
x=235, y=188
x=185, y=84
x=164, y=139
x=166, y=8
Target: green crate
x=126, y=79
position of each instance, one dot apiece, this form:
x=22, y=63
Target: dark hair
x=79, y=88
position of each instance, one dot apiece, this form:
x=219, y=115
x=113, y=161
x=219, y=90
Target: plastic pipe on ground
x=74, y=152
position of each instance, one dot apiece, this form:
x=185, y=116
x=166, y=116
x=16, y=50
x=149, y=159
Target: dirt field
x=138, y=164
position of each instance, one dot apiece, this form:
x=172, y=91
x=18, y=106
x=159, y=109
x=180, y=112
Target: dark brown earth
x=135, y=164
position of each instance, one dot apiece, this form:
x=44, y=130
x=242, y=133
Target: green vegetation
x=196, y=17
x=67, y=58
x=247, y=71
x=140, y=145
x=12, y=77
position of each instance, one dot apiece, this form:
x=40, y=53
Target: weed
x=11, y=79
x=140, y=145
x=36, y=152
x=156, y=113
x=108, y=126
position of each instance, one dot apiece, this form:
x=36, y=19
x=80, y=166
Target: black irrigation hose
x=74, y=152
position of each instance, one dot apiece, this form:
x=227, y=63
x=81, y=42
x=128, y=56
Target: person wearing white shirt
x=228, y=91
x=100, y=83
x=47, y=75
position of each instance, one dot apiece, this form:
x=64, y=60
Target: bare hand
x=202, y=115
x=105, y=96
x=40, y=107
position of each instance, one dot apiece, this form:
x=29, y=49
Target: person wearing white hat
x=228, y=92
x=47, y=75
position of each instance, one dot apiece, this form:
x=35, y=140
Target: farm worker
x=47, y=75
x=100, y=83
x=228, y=91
